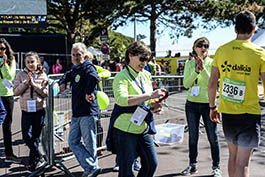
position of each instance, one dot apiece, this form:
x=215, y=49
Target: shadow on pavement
x=179, y=174
x=106, y=170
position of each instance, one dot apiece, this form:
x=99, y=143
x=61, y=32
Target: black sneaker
x=31, y=167
x=189, y=170
x=12, y=159
x=40, y=162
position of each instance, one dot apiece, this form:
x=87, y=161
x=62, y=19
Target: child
x=57, y=67
x=31, y=85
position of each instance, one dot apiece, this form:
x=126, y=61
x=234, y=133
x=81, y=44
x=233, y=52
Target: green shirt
x=102, y=73
x=8, y=73
x=123, y=86
x=152, y=67
x=203, y=77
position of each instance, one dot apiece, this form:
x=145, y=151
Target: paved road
x=172, y=159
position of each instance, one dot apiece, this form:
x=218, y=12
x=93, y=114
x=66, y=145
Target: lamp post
x=135, y=38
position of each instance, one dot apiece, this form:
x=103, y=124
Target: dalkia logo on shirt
x=236, y=67
x=226, y=66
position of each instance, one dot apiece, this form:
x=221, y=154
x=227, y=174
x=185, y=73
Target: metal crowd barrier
x=54, y=138
x=61, y=111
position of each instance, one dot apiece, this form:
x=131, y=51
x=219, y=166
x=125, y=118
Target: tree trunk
x=153, y=30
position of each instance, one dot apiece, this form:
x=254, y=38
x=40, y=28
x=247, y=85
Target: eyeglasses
x=143, y=59
x=203, y=45
x=2, y=48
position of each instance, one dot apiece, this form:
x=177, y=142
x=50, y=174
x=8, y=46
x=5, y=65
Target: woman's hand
x=158, y=93
x=199, y=64
x=155, y=106
x=4, y=59
x=29, y=78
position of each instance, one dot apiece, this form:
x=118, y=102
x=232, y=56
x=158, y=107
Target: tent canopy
x=94, y=51
x=259, y=38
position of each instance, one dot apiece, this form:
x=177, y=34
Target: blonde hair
x=196, y=42
x=89, y=55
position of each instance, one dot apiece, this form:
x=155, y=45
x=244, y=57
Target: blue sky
x=216, y=37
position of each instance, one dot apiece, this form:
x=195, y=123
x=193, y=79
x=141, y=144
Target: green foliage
x=83, y=20
x=223, y=12
x=173, y=16
x=118, y=44
x=140, y=37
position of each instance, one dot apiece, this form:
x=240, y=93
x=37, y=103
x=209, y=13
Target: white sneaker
x=95, y=173
x=217, y=172
x=40, y=162
x=116, y=168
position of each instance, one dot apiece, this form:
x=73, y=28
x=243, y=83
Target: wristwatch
x=213, y=108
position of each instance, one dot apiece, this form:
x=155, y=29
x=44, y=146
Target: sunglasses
x=143, y=59
x=203, y=45
x=2, y=48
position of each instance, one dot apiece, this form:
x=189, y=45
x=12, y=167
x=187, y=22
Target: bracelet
x=197, y=72
x=213, y=108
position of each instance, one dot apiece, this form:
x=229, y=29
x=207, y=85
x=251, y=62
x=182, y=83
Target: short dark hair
x=117, y=59
x=245, y=22
x=137, y=48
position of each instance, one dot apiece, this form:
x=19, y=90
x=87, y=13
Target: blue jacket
x=2, y=112
x=118, y=110
x=84, y=79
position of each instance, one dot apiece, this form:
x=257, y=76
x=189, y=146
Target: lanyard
x=1, y=74
x=136, y=82
x=196, y=80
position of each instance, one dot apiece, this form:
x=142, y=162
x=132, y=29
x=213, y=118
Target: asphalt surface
x=172, y=158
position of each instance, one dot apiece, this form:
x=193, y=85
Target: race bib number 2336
x=233, y=91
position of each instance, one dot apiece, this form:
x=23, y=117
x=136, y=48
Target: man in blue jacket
x=85, y=110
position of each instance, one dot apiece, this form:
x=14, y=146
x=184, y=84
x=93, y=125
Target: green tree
x=66, y=16
x=181, y=18
x=118, y=44
x=222, y=13
x=172, y=16
x=80, y=20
